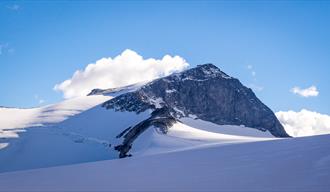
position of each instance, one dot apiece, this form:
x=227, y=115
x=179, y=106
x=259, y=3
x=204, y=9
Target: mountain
x=191, y=131
x=199, y=106
x=208, y=93
x=204, y=92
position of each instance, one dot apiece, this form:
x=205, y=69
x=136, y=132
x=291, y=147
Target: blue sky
x=286, y=44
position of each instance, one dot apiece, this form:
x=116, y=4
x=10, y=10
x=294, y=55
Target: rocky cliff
x=204, y=92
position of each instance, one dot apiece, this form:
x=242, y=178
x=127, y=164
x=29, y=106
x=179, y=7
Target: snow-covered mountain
x=199, y=115
x=204, y=92
x=199, y=106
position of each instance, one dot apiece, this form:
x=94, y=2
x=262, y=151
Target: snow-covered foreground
x=92, y=134
x=28, y=138
x=193, y=154
x=80, y=130
x=295, y=164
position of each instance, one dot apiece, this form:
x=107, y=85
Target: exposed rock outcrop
x=204, y=91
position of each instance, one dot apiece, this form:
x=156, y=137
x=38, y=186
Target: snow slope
x=194, y=155
x=28, y=138
x=194, y=133
x=91, y=136
x=14, y=118
x=294, y=164
x=81, y=138
x=80, y=130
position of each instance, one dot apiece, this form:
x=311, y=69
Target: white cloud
x=304, y=123
x=124, y=69
x=308, y=92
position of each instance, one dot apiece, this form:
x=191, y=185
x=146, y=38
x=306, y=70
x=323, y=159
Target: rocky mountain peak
x=210, y=70
x=200, y=73
x=205, y=92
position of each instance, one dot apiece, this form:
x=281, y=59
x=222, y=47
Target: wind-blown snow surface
x=194, y=155
x=29, y=140
x=192, y=133
x=295, y=164
x=92, y=134
x=13, y=118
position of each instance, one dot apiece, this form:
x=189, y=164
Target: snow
x=3, y=145
x=13, y=120
x=295, y=164
x=199, y=134
x=87, y=137
x=179, y=111
x=122, y=90
x=170, y=90
x=194, y=155
x=9, y=120
x=225, y=129
x=157, y=102
x=81, y=138
x=80, y=130
x=213, y=72
x=192, y=116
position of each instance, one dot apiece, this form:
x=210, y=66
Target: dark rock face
x=133, y=101
x=206, y=92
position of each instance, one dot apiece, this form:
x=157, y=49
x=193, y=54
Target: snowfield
x=78, y=136
x=295, y=164
x=14, y=119
x=81, y=138
x=192, y=134
x=92, y=134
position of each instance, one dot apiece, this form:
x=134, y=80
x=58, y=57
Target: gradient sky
x=287, y=44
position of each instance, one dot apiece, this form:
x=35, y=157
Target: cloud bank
x=124, y=69
x=308, y=92
x=304, y=122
